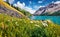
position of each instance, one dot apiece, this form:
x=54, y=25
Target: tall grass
x=15, y=27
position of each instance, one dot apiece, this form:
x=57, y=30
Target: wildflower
x=15, y=22
x=25, y=21
x=0, y=13
x=44, y=23
x=20, y=19
x=5, y=14
x=2, y=25
x=8, y=20
x=31, y=21
x=37, y=25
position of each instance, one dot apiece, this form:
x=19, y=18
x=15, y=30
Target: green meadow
x=16, y=27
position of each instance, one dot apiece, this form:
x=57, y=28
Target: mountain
x=8, y=10
x=53, y=9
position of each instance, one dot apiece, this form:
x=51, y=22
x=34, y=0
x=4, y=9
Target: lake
x=55, y=19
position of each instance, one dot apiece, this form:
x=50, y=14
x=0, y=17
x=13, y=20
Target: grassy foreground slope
x=7, y=9
x=8, y=6
x=14, y=27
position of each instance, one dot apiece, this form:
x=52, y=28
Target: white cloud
x=37, y=7
x=52, y=2
x=4, y=0
x=22, y=6
x=10, y=1
x=41, y=6
x=40, y=1
x=30, y=2
x=15, y=5
x=23, y=3
x=30, y=10
x=57, y=2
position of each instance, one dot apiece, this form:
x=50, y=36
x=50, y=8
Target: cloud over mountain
x=23, y=6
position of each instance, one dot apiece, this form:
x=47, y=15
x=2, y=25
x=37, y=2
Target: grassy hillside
x=26, y=13
x=9, y=9
x=14, y=27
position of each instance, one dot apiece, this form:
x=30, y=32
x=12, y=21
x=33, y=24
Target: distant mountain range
x=53, y=9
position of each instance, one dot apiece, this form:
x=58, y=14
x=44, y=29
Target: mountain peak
x=49, y=9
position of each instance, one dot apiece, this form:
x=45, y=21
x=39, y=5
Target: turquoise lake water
x=55, y=19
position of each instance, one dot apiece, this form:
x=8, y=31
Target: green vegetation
x=15, y=27
x=7, y=1
x=57, y=13
x=26, y=13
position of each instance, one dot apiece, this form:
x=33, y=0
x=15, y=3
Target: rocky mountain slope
x=8, y=10
x=52, y=9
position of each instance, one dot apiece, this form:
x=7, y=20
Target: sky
x=31, y=5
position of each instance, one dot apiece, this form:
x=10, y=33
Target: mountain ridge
x=49, y=9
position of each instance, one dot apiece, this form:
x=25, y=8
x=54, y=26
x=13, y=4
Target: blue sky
x=31, y=5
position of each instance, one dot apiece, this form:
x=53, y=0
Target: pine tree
x=8, y=2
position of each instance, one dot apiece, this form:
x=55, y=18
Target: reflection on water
x=55, y=19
